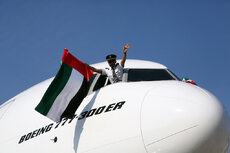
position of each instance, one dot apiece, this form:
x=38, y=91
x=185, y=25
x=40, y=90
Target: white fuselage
x=125, y=117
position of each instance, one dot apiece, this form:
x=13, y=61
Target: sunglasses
x=111, y=61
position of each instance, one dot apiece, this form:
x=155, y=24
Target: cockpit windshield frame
x=98, y=81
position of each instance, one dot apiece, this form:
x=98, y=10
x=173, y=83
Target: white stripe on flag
x=61, y=102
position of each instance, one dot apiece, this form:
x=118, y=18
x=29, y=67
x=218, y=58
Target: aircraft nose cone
x=183, y=118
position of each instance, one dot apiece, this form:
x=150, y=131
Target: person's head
x=111, y=59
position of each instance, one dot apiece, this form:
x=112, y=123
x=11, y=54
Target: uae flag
x=187, y=80
x=67, y=90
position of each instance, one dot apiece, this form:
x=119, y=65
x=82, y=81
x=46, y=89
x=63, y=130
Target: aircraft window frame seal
x=125, y=75
x=94, y=81
x=173, y=75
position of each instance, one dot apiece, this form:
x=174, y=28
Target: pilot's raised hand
x=125, y=48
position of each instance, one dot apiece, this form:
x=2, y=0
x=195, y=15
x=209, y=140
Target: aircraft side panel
x=190, y=120
x=117, y=128
x=107, y=121
x=120, y=118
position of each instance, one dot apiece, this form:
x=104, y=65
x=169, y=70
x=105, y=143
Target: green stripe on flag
x=54, y=89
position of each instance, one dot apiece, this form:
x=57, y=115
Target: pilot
x=115, y=72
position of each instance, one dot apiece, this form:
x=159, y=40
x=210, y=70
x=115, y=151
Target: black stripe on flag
x=76, y=100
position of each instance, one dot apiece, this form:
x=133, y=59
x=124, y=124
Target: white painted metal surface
x=155, y=117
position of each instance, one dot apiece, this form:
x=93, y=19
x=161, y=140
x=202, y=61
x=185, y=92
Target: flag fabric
x=67, y=90
x=187, y=80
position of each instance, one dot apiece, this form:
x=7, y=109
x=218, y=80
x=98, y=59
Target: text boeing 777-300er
x=149, y=111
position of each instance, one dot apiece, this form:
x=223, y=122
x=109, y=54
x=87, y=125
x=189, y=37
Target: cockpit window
x=149, y=75
x=98, y=81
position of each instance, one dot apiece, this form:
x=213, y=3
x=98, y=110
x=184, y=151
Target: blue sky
x=192, y=38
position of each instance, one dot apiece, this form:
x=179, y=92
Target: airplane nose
x=183, y=118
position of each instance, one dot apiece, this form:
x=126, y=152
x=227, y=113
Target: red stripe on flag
x=72, y=61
